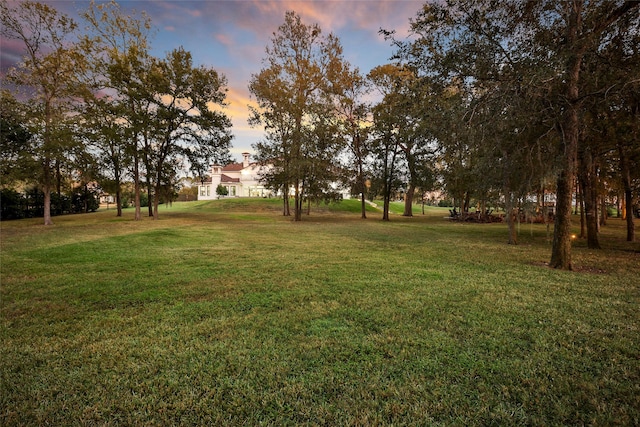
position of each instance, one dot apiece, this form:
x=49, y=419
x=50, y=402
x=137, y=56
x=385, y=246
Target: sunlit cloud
x=224, y=39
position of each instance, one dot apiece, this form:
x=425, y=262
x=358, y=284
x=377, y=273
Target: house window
x=208, y=190
x=202, y=191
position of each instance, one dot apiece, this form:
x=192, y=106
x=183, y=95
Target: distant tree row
x=30, y=204
x=95, y=105
x=493, y=102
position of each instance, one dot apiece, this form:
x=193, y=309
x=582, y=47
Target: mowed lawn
x=228, y=313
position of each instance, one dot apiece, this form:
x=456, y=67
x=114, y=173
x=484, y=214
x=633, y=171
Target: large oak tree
x=294, y=93
x=49, y=75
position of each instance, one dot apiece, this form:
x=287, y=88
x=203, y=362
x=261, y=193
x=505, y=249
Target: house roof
x=233, y=167
x=226, y=178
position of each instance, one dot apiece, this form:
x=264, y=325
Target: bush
x=84, y=201
x=221, y=190
x=12, y=204
x=15, y=205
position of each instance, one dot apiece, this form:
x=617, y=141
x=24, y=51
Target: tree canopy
x=295, y=94
x=98, y=107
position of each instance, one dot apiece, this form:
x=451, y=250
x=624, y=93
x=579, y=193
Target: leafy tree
x=418, y=141
x=17, y=145
x=50, y=71
x=118, y=108
x=185, y=125
x=221, y=190
x=390, y=126
x=353, y=118
x=295, y=94
x=580, y=26
x=609, y=137
x=510, y=48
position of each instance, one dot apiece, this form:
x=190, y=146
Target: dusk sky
x=231, y=36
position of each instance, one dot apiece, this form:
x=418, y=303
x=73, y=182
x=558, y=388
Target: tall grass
x=227, y=313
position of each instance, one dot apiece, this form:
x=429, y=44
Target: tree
x=221, y=190
x=294, y=93
x=391, y=127
x=111, y=145
x=187, y=123
x=580, y=26
x=17, y=157
x=119, y=104
x=538, y=46
x=50, y=72
x=610, y=135
x=353, y=115
x=418, y=139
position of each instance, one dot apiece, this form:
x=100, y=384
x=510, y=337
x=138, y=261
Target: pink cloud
x=223, y=39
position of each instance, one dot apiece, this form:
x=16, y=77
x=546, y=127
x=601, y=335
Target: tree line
x=96, y=105
x=495, y=103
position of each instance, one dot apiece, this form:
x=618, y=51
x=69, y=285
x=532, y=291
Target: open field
x=227, y=313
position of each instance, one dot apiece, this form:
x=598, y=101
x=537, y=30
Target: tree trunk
x=583, y=228
x=58, y=179
x=47, y=205
x=561, y=248
x=385, y=207
x=286, y=211
x=511, y=215
x=297, y=212
x=86, y=198
x=578, y=204
x=618, y=201
x=588, y=184
x=361, y=181
x=408, y=201
x=46, y=188
x=156, y=201
x=150, y=199
x=628, y=194
x=137, y=189
x=118, y=193
x=119, y=202
x=631, y=232
x=363, y=188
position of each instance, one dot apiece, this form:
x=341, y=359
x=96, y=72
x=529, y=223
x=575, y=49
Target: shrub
x=221, y=190
x=12, y=204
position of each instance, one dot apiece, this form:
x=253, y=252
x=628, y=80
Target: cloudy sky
x=231, y=36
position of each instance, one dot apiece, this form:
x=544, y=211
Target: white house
x=240, y=180
x=243, y=180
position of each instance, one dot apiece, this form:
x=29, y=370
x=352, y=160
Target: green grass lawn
x=228, y=313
